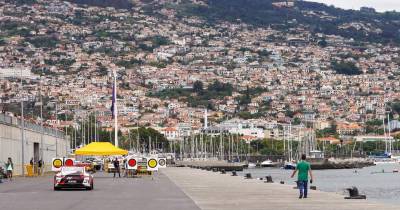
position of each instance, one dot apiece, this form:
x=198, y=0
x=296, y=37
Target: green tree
x=198, y=86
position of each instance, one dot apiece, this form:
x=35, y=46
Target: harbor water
x=380, y=183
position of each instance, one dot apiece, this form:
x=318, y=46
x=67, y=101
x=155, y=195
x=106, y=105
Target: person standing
x=9, y=168
x=303, y=168
x=116, y=167
x=40, y=165
x=126, y=168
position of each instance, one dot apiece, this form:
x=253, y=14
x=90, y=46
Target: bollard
x=234, y=173
x=223, y=171
x=354, y=194
x=248, y=176
x=282, y=182
x=313, y=187
x=269, y=179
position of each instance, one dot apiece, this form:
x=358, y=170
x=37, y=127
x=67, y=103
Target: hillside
x=318, y=18
x=119, y=4
x=363, y=26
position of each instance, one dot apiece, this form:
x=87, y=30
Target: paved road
x=144, y=193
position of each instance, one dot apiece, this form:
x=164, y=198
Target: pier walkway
x=215, y=191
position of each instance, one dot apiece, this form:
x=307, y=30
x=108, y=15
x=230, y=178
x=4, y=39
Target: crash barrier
x=31, y=170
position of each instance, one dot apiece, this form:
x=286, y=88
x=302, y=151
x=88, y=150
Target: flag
x=113, y=101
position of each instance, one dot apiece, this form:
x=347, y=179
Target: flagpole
x=115, y=110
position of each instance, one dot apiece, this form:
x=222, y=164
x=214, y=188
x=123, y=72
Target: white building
x=19, y=72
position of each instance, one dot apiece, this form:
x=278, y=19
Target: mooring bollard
x=269, y=179
x=354, y=194
x=234, y=173
x=248, y=176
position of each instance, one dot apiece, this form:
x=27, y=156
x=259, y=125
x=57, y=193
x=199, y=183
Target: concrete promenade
x=215, y=191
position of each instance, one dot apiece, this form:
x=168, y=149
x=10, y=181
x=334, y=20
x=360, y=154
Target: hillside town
x=180, y=75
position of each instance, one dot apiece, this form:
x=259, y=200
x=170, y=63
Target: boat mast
x=384, y=133
x=390, y=141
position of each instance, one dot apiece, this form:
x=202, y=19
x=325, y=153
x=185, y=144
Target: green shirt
x=303, y=167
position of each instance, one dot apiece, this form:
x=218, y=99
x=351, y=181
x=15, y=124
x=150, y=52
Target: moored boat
x=267, y=163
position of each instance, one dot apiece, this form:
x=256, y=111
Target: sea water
x=380, y=183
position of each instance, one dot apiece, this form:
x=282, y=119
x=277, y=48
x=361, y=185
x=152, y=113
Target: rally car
x=73, y=177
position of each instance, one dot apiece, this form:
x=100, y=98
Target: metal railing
x=13, y=121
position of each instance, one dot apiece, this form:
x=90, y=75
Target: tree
x=323, y=43
x=198, y=86
x=396, y=106
x=296, y=121
x=347, y=68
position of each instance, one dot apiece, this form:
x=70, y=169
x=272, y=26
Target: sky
x=379, y=5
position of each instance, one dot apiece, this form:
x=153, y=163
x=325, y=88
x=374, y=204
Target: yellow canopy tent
x=101, y=149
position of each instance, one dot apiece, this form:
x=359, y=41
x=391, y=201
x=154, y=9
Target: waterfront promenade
x=172, y=189
x=215, y=191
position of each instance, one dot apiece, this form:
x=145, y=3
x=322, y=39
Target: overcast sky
x=379, y=5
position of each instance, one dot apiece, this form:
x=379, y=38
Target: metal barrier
x=9, y=120
x=32, y=171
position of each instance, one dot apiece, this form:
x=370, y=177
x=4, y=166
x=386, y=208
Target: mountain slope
x=317, y=17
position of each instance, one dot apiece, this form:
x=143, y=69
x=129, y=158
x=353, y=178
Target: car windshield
x=69, y=170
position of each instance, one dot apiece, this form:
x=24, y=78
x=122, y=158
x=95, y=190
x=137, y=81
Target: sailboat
x=386, y=158
x=289, y=164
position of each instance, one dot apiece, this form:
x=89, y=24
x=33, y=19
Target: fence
x=13, y=121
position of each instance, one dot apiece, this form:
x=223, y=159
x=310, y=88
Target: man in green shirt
x=303, y=168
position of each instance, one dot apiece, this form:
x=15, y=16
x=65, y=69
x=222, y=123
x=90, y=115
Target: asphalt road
x=147, y=193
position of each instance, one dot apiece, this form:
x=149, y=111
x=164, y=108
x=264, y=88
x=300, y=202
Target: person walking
x=116, y=167
x=303, y=168
x=9, y=168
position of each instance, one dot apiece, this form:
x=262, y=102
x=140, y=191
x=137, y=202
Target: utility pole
x=95, y=127
x=56, y=132
x=41, y=123
x=137, y=139
x=115, y=109
x=22, y=130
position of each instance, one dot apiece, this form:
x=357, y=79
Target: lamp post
x=22, y=131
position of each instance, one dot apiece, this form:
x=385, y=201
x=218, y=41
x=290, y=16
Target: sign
x=56, y=164
x=162, y=162
x=152, y=164
x=69, y=162
x=132, y=163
